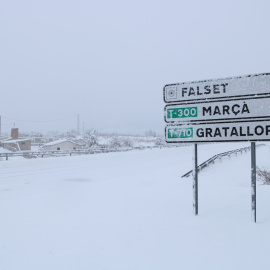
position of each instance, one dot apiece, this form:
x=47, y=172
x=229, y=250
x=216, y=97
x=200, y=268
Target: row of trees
x=90, y=138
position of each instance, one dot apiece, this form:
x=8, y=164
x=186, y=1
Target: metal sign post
x=195, y=180
x=253, y=181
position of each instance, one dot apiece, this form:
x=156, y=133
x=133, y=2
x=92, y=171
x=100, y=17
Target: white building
x=17, y=145
x=62, y=145
x=14, y=143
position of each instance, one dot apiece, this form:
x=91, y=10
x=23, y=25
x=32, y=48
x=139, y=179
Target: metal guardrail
x=219, y=157
x=29, y=154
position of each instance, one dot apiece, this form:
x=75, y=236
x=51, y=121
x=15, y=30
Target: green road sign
x=180, y=133
x=178, y=113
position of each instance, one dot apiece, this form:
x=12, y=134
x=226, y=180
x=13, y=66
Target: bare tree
x=263, y=175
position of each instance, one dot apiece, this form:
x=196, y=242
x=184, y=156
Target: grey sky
x=109, y=60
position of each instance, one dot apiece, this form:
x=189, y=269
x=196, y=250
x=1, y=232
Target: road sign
x=218, y=132
x=243, y=86
x=245, y=108
x=222, y=110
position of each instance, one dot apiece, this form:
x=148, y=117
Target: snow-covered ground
x=132, y=210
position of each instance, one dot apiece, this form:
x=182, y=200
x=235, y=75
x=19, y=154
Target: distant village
x=33, y=141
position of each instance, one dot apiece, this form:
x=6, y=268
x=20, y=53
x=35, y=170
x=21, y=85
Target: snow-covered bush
x=126, y=142
x=115, y=142
x=90, y=138
x=159, y=142
x=263, y=175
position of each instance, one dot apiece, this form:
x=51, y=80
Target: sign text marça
x=253, y=108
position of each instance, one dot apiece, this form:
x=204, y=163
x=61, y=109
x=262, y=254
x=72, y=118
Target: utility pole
x=78, y=124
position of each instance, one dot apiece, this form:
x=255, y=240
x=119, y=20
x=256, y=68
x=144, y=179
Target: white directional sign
x=248, y=108
x=222, y=110
x=218, y=132
x=244, y=86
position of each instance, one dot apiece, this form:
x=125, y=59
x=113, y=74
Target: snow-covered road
x=132, y=210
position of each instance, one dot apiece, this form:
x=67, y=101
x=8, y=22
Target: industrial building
x=62, y=145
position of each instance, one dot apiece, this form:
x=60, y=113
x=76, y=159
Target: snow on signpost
x=237, y=100
x=221, y=110
x=242, y=86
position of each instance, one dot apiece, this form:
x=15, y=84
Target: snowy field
x=132, y=210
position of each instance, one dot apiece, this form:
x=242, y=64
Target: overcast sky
x=109, y=60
